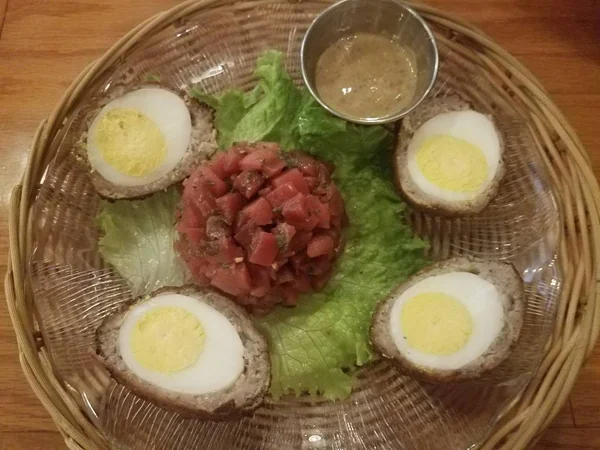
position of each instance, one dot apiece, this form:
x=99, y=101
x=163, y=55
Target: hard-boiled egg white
x=454, y=156
x=139, y=137
x=182, y=344
x=446, y=321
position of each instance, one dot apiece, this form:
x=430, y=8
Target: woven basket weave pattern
x=523, y=224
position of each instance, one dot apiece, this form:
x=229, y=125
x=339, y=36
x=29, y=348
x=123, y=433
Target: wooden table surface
x=45, y=44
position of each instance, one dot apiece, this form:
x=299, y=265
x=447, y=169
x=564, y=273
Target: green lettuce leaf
x=137, y=239
x=265, y=113
x=315, y=345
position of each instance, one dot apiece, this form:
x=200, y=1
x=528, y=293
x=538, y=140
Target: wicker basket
x=573, y=183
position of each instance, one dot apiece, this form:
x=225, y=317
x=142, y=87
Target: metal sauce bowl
x=387, y=17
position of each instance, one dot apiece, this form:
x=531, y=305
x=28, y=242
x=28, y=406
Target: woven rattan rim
x=578, y=318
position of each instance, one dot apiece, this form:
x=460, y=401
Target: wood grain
x=44, y=45
x=3, y=6
x=37, y=440
x=569, y=439
x=564, y=419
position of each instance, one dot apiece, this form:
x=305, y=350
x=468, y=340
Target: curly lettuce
x=137, y=238
x=314, y=345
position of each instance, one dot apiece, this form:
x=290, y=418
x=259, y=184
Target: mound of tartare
x=261, y=225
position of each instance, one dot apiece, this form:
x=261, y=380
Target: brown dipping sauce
x=366, y=76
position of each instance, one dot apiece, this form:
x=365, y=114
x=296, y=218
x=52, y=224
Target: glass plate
x=74, y=289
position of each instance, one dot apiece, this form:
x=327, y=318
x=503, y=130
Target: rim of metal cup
x=370, y=120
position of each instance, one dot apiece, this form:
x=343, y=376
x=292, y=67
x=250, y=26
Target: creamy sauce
x=366, y=76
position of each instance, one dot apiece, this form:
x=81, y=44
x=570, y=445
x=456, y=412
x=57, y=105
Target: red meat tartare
x=261, y=225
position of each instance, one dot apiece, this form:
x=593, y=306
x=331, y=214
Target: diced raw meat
x=233, y=279
x=329, y=166
x=301, y=283
x=295, y=209
x=312, y=183
x=286, y=224
x=285, y=275
x=280, y=261
x=229, y=205
x=319, y=282
x=306, y=225
x=194, y=235
x=334, y=233
x=324, y=176
x=297, y=213
x=216, y=165
x=300, y=241
x=263, y=249
x=222, y=251
x=333, y=197
x=261, y=275
x=290, y=296
x=256, y=159
x=260, y=291
x=204, y=203
x=210, y=269
x=197, y=267
x=320, y=210
x=200, y=278
x=245, y=234
x=248, y=183
x=231, y=163
x=306, y=164
x=190, y=218
x=205, y=178
x=217, y=228
x=272, y=168
x=284, y=233
x=259, y=212
x=340, y=221
x=265, y=191
x=298, y=260
x=322, y=190
x=281, y=194
x=320, y=244
x=265, y=160
x=316, y=266
x=293, y=176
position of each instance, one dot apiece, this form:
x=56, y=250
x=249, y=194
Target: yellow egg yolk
x=167, y=339
x=436, y=323
x=452, y=164
x=130, y=142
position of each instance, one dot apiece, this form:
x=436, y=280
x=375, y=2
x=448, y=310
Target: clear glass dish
x=74, y=289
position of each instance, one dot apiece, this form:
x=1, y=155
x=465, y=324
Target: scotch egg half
x=456, y=319
x=449, y=158
x=146, y=140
